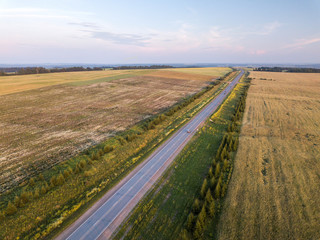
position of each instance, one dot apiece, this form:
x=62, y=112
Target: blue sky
x=146, y=31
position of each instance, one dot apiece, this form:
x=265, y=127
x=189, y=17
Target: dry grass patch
x=274, y=191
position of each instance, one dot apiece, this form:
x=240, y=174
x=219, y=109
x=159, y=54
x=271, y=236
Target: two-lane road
x=103, y=220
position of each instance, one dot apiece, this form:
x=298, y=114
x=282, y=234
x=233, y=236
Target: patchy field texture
x=13, y=84
x=44, y=126
x=274, y=191
x=209, y=71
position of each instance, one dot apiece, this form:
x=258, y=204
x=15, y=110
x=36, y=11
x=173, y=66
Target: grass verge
x=163, y=213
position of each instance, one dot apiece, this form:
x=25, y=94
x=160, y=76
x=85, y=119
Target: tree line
x=142, y=67
x=287, y=69
x=207, y=203
x=38, y=70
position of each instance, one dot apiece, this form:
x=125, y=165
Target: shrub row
x=215, y=183
x=57, y=180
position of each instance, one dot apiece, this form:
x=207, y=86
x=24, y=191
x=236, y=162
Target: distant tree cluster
x=142, y=67
x=287, y=69
x=38, y=70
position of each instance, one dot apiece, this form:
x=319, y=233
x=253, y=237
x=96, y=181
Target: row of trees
x=226, y=75
x=39, y=186
x=215, y=184
x=38, y=70
x=288, y=69
x=142, y=67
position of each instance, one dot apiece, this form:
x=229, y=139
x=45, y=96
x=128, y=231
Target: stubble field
x=48, y=124
x=274, y=190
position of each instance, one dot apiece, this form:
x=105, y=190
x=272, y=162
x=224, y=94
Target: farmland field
x=53, y=121
x=204, y=71
x=274, y=190
x=90, y=112
x=20, y=83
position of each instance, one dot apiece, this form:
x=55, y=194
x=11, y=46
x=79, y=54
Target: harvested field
x=274, y=190
x=183, y=75
x=42, y=127
x=20, y=83
x=209, y=71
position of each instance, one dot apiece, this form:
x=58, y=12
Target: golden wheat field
x=274, y=191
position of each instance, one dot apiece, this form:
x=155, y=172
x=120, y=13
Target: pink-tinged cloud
x=302, y=42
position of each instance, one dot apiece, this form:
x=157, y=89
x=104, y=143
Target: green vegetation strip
x=189, y=196
x=53, y=199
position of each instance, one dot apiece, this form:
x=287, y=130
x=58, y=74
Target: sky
x=166, y=31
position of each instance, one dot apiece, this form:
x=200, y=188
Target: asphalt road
x=98, y=222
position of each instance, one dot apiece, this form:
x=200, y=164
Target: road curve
x=119, y=201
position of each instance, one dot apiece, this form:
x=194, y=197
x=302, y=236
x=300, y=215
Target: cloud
x=302, y=42
x=270, y=28
x=121, y=38
x=85, y=25
x=263, y=30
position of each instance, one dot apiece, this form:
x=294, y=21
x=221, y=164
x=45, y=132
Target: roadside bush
x=217, y=191
x=198, y=230
x=11, y=209
x=99, y=154
x=41, y=177
x=202, y=216
x=53, y=181
x=2, y=216
x=211, y=208
x=43, y=190
x=107, y=149
x=25, y=197
x=208, y=197
x=212, y=183
x=204, y=188
x=121, y=140
x=130, y=137
x=217, y=171
x=17, y=201
x=36, y=193
x=210, y=173
x=31, y=182
x=60, y=179
x=196, y=206
x=184, y=235
x=67, y=173
x=82, y=164
x=190, y=222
